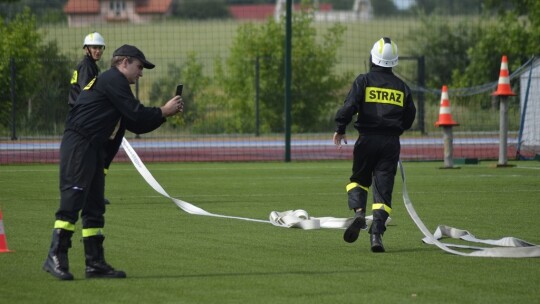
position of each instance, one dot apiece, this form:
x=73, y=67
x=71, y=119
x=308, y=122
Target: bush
x=196, y=9
x=314, y=82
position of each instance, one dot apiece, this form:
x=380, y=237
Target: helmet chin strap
x=89, y=53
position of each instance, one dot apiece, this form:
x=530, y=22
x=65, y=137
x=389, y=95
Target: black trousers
x=375, y=160
x=82, y=181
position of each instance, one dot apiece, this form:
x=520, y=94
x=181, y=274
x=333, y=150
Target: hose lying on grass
x=509, y=247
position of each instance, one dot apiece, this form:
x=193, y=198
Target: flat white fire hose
x=300, y=219
x=514, y=248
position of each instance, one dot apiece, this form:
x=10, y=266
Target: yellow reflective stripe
x=354, y=185
x=74, y=77
x=381, y=45
x=87, y=232
x=381, y=207
x=58, y=224
x=90, y=84
x=351, y=186
x=388, y=96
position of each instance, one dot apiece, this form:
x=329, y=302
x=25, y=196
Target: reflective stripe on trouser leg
x=380, y=215
x=383, y=183
x=58, y=224
x=379, y=206
x=357, y=196
x=88, y=232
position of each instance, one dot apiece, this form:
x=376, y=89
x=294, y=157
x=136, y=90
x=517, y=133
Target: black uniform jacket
x=107, y=107
x=86, y=70
x=383, y=102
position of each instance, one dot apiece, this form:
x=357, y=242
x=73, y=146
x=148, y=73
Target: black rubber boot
x=357, y=199
x=378, y=226
x=376, y=243
x=377, y=229
x=96, y=267
x=57, y=263
x=353, y=231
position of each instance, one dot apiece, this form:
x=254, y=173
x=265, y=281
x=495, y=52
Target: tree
x=384, y=7
x=515, y=33
x=465, y=55
x=196, y=9
x=444, y=46
x=45, y=11
x=314, y=82
x=191, y=71
x=41, y=102
x=449, y=7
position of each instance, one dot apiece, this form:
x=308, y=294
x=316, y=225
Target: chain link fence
x=230, y=57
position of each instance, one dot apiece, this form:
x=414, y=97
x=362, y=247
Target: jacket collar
x=376, y=68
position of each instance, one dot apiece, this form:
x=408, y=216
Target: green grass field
x=174, y=257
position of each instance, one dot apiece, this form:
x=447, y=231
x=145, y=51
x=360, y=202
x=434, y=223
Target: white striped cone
x=445, y=112
x=503, y=88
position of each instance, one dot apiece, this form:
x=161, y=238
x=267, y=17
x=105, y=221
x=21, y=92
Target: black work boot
x=377, y=229
x=376, y=243
x=96, y=267
x=357, y=200
x=359, y=222
x=57, y=263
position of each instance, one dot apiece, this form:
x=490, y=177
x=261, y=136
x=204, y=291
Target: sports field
x=173, y=257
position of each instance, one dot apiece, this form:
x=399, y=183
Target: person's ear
x=125, y=62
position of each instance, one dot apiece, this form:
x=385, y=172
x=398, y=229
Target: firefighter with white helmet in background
x=384, y=107
x=87, y=69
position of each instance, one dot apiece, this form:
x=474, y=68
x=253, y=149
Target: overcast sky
x=401, y=4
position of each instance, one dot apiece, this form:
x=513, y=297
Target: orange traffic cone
x=3, y=242
x=445, y=115
x=503, y=88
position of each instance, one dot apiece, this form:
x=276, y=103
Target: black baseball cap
x=131, y=51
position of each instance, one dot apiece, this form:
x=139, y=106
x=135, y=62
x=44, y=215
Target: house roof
x=81, y=6
x=250, y=11
x=152, y=6
x=141, y=6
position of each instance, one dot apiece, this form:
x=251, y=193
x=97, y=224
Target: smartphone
x=179, y=89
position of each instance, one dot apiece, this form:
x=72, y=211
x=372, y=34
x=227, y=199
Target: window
x=117, y=7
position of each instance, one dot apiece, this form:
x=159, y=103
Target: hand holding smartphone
x=179, y=89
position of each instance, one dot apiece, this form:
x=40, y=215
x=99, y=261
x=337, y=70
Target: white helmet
x=385, y=53
x=94, y=39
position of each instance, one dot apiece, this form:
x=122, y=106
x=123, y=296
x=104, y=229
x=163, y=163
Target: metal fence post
x=13, y=103
x=257, y=121
x=288, y=68
x=421, y=102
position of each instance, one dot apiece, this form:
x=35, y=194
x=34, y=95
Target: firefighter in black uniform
x=384, y=107
x=87, y=69
x=105, y=108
